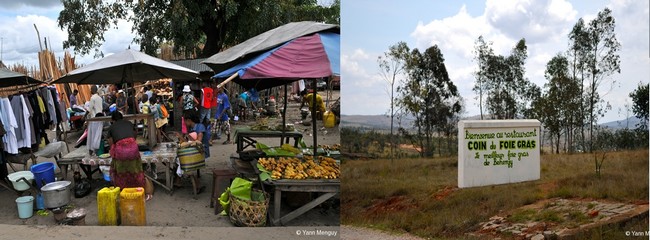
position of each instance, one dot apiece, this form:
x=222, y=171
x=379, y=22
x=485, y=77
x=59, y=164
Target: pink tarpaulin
x=304, y=57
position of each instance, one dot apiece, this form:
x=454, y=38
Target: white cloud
x=536, y=20
x=15, y=4
x=21, y=44
x=453, y=33
x=359, y=54
x=356, y=71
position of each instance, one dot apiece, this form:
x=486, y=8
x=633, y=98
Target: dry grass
x=420, y=195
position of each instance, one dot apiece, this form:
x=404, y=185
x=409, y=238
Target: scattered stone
x=550, y=235
x=537, y=237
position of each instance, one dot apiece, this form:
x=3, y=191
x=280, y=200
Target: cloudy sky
x=20, y=42
x=369, y=27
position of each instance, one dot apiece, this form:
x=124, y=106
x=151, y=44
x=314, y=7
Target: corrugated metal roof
x=194, y=64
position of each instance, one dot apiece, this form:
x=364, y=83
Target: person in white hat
x=121, y=102
x=188, y=100
x=189, y=103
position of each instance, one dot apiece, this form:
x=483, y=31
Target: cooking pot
x=56, y=194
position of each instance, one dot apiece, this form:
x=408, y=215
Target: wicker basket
x=245, y=213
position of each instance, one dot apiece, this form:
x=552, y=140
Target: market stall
x=303, y=50
x=245, y=137
x=125, y=68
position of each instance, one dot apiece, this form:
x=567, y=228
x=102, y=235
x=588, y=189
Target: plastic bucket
x=25, y=206
x=18, y=184
x=43, y=172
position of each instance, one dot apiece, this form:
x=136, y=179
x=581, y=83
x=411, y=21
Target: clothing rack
x=13, y=90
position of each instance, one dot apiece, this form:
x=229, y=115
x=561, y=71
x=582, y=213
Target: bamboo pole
x=228, y=80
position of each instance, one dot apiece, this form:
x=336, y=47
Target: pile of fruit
x=335, y=147
x=294, y=168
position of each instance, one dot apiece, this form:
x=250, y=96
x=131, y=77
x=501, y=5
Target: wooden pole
x=228, y=80
x=313, y=117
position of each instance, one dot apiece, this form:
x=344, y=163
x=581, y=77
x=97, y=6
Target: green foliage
x=375, y=144
x=391, y=65
x=501, y=79
x=557, y=106
x=192, y=26
x=430, y=97
x=640, y=97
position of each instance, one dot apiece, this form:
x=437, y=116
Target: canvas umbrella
x=10, y=78
x=126, y=67
x=312, y=56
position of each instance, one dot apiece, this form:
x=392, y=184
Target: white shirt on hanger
x=10, y=124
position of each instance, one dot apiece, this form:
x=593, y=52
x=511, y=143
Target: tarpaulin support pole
x=313, y=117
x=284, y=116
x=228, y=80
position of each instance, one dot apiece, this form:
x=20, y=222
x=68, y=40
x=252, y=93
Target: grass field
x=419, y=196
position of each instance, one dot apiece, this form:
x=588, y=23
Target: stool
x=221, y=179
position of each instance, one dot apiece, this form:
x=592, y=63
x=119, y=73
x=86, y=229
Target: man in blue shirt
x=222, y=118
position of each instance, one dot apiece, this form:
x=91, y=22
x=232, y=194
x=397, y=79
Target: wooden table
x=329, y=187
x=151, y=128
x=159, y=154
x=244, y=137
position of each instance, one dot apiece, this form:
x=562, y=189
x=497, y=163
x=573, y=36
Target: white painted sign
x=497, y=151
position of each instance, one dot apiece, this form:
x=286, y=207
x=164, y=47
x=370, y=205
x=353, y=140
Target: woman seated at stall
x=126, y=166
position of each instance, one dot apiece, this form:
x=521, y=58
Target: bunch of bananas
x=293, y=168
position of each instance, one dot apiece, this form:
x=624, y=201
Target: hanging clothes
x=26, y=140
x=55, y=105
x=28, y=105
x=37, y=117
x=17, y=108
x=10, y=124
x=95, y=129
x=49, y=105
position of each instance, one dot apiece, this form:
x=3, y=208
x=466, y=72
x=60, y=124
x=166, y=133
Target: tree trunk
x=214, y=33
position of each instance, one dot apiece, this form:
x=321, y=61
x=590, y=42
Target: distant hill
x=376, y=122
x=382, y=122
x=620, y=124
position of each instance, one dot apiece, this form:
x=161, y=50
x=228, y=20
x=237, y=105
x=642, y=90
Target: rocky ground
x=559, y=218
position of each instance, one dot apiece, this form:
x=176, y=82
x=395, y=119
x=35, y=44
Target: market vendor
x=126, y=165
x=320, y=106
x=193, y=124
x=122, y=106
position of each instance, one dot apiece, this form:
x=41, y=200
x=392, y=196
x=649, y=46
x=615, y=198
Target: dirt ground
x=180, y=209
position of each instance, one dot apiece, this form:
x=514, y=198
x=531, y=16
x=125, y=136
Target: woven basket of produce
x=249, y=213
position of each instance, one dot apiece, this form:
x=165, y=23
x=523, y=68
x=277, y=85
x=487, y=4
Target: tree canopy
x=429, y=96
x=508, y=93
x=640, y=104
x=202, y=26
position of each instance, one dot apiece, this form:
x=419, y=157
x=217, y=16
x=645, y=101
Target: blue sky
x=370, y=27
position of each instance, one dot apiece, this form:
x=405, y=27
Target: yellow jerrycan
x=132, y=208
x=107, y=199
x=329, y=119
